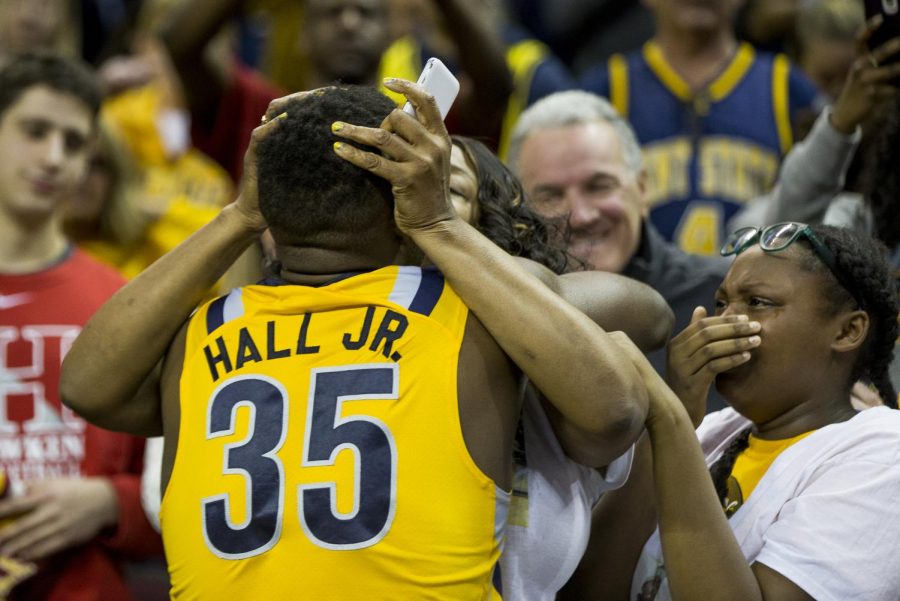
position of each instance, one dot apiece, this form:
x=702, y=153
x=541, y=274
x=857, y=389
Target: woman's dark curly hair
x=863, y=264
x=503, y=215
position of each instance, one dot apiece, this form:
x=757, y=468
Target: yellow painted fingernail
x=338, y=146
x=337, y=126
x=282, y=115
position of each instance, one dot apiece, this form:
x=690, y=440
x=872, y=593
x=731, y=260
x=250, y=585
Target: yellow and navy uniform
x=320, y=453
x=707, y=152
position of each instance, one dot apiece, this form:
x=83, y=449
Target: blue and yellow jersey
x=708, y=152
x=320, y=453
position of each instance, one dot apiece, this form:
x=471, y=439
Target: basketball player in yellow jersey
x=346, y=431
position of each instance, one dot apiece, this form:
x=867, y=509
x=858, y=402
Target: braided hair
x=721, y=469
x=863, y=264
x=504, y=216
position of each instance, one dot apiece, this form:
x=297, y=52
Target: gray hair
x=574, y=107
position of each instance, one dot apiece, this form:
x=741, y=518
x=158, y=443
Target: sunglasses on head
x=777, y=237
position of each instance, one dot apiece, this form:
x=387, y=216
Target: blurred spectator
x=35, y=25
x=158, y=188
x=136, y=58
x=342, y=40
x=282, y=59
x=492, y=93
x=536, y=73
x=826, y=41
x=713, y=115
x=770, y=24
x=876, y=210
x=102, y=21
x=75, y=510
x=129, y=211
x=583, y=33
x=814, y=172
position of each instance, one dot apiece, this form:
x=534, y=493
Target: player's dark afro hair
x=309, y=195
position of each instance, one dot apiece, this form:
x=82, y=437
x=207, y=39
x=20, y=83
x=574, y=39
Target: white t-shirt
x=550, y=511
x=824, y=515
x=151, y=479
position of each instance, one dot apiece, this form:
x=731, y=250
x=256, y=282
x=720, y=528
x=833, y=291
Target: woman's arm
x=614, y=302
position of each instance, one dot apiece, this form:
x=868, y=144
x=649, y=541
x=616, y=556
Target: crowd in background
x=725, y=114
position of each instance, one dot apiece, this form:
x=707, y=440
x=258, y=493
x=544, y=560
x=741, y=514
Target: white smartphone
x=441, y=83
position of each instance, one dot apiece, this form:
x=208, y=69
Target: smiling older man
x=580, y=163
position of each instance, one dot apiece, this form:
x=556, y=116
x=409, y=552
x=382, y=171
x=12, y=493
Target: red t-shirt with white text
x=40, y=315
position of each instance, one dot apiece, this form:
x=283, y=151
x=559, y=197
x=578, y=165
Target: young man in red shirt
x=74, y=507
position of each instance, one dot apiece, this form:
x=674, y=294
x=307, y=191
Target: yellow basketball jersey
x=320, y=454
